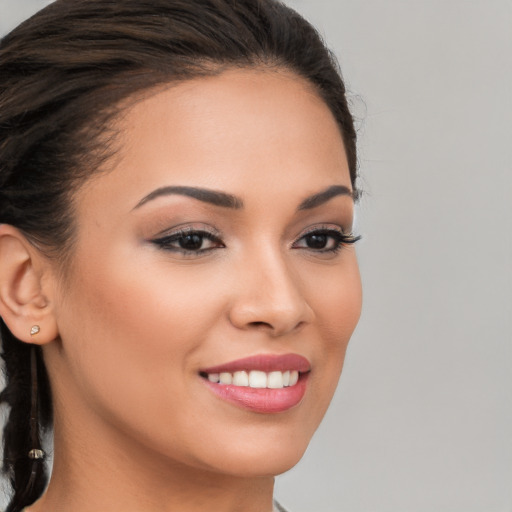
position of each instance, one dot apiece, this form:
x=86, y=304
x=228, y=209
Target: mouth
x=255, y=379
x=263, y=384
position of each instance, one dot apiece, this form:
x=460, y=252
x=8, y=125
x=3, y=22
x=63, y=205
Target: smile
x=268, y=384
x=256, y=379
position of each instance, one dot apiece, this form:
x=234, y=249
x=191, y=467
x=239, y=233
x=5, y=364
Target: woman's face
x=212, y=251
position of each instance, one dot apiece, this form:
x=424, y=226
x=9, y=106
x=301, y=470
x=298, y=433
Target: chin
x=261, y=459
x=276, y=465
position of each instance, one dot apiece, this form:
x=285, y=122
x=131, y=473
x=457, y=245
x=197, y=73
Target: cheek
x=130, y=338
x=147, y=316
x=148, y=303
x=132, y=327
x=336, y=298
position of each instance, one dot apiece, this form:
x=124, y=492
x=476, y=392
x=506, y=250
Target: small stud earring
x=35, y=330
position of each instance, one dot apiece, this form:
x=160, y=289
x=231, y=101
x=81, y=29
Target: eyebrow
x=324, y=196
x=202, y=194
x=225, y=200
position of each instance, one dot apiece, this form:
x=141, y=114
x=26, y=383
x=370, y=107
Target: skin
x=136, y=322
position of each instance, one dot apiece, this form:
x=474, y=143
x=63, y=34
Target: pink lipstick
x=263, y=383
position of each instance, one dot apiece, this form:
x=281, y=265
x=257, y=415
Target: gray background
x=422, y=420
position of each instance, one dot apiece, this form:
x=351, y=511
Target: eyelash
x=166, y=243
x=340, y=239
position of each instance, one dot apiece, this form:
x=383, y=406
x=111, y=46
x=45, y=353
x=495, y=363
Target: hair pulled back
x=63, y=74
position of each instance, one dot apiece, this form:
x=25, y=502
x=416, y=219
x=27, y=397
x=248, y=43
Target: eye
x=325, y=240
x=189, y=241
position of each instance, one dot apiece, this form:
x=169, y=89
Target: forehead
x=236, y=131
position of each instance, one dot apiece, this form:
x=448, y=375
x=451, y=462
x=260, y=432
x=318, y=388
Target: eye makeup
x=325, y=239
x=198, y=241
x=190, y=240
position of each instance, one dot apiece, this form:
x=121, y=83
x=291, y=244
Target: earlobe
x=24, y=304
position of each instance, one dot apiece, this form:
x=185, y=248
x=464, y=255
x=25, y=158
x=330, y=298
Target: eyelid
x=342, y=238
x=168, y=240
x=176, y=235
x=326, y=228
x=186, y=227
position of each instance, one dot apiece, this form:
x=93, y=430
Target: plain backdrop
x=422, y=419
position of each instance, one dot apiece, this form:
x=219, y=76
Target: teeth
x=240, y=379
x=226, y=378
x=275, y=380
x=257, y=379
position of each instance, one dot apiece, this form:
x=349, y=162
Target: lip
x=263, y=363
x=266, y=400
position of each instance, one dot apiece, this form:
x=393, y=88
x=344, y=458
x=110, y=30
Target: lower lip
x=262, y=400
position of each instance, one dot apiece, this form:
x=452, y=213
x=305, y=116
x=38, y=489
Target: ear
x=24, y=301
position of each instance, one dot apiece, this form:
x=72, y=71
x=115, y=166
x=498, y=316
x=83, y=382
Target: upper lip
x=264, y=363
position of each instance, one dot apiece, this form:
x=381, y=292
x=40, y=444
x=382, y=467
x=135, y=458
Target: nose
x=269, y=296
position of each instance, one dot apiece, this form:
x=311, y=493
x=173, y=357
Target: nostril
x=260, y=324
x=271, y=328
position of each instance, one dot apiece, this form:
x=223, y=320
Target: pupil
x=191, y=242
x=317, y=241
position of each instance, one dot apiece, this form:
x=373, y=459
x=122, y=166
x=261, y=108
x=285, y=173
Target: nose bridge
x=270, y=293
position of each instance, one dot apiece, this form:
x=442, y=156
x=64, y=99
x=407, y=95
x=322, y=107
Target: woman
x=178, y=283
